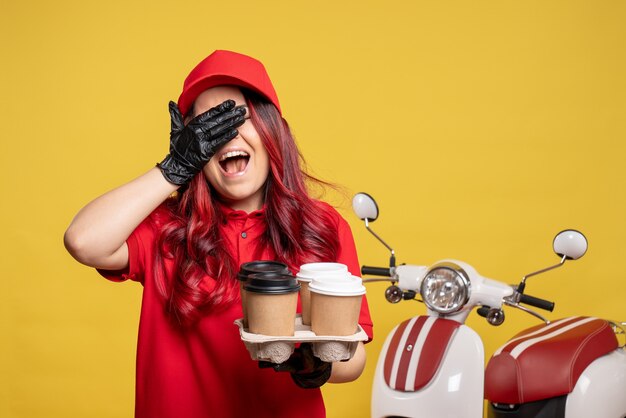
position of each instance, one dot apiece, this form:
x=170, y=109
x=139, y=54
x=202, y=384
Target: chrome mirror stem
x=392, y=260
x=522, y=284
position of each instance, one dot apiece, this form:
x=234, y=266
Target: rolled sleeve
x=136, y=242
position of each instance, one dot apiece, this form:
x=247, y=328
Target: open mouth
x=234, y=162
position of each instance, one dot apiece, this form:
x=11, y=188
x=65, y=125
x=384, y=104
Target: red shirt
x=206, y=371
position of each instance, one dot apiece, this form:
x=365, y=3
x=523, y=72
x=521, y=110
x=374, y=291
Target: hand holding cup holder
x=306, y=370
x=273, y=328
x=278, y=349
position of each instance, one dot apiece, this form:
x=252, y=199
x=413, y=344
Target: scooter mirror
x=570, y=244
x=365, y=207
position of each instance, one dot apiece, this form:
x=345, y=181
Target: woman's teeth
x=231, y=154
x=234, y=162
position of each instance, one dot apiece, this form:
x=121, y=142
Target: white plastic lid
x=312, y=270
x=338, y=285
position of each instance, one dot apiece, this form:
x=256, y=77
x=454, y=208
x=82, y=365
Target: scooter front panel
x=415, y=352
x=455, y=389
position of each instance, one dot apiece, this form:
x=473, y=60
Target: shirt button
x=244, y=235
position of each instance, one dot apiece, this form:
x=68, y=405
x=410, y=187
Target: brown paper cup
x=271, y=314
x=246, y=270
x=335, y=315
x=305, y=302
x=244, y=306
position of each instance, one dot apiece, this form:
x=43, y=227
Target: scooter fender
x=429, y=367
x=600, y=391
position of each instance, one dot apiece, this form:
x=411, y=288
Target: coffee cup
x=271, y=300
x=336, y=304
x=252, y=267
x=309, y=272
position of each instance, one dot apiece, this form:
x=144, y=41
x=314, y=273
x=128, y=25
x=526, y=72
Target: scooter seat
x=546, y=361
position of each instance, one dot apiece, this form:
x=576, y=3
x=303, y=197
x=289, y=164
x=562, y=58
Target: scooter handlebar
x=376, y=271
x=537, y=302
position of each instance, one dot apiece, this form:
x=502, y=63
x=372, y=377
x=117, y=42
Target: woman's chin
x=242, y=199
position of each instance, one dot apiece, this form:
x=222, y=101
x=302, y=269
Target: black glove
x=306, y=370
x=192, y=146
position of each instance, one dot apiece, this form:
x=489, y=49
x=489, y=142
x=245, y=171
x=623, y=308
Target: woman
x=230, y=191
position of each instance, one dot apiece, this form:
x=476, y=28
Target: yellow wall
x=481, y=127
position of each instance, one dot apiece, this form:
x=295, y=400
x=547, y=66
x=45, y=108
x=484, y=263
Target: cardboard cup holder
x=278, y=349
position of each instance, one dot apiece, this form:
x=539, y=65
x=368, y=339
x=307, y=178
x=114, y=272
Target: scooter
x=433, y=365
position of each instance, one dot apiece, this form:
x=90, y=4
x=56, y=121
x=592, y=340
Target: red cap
x=226, y=68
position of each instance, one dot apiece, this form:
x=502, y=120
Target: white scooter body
x=456, y=390
x=413, y=379
x=601, y=389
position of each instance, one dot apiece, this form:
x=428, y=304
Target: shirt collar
x=230, y=213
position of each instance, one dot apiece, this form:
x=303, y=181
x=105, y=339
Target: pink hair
x=296, y=229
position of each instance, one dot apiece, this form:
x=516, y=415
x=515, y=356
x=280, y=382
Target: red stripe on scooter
x=524, y=335
x=391, y=351
x=407, y=353
x=434, y=348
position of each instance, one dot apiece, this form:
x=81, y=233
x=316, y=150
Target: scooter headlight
x=445, y=288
